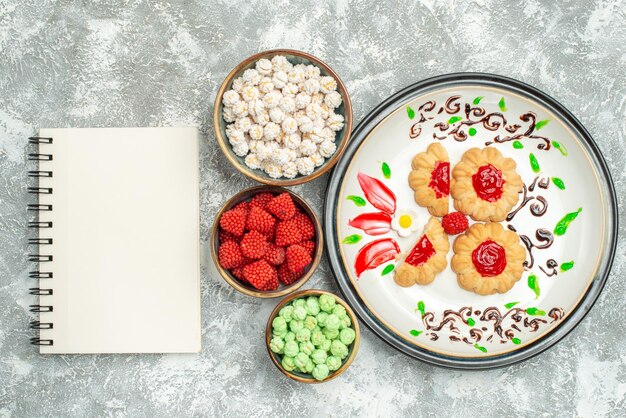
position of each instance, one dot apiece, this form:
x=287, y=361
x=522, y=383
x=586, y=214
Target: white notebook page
x=125, y=240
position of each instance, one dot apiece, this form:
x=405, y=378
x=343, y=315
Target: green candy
x=303, y=335
x=291, y=349
x=296, y=325
x=320, y=372
x=339, y=349
x=333, y=363
x=327, y=303
x=319, y=356
x=347, y=336
x=340, y=311
x=307, y=348
x=286, y=313
x=312, y=306
x=301, y=360
x=288, y=363
x=321, y=319
x=299, y=313
x=310, y=322
x=325, y=345
x=279, y=324
x=299, y=302
x=331, y=334
x=332, y=322
x=309, y=366
x=317, y=336
x=289, y=336
x=277, y=345
x=280, y=334
x=345, y=322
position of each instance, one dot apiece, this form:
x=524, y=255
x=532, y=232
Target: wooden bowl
x=248, y=289
x=295, y=57
x=302, y=377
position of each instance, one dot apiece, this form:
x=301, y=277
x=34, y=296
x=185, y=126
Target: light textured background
x=159, y=63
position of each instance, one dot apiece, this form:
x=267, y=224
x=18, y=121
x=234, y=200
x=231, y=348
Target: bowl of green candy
x=312, y=336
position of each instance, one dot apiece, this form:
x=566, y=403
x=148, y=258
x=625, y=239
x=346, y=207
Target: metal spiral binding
x=40, y=225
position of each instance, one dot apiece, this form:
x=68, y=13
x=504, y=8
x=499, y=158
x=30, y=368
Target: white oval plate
x=450, y=325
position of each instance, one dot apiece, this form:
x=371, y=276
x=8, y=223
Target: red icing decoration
x=422, y=251
x=440, y=179
x=375, y=253
x=488, y=182
x=489, y=258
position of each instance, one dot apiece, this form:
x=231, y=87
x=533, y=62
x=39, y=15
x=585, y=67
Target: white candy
x=229, y=115
x=272, y=169
x=325, y=110
x=266, y=85
x=293, y=154
x=255, y=107
x=298, y=114
x=335, y=122
x=296, y=75
x=302, y=100
x=305, y=165
x=252, y=144
x=241, y=149
x=230, y=98
x=280, y=156
x=311, y=71
x=311, y=86
x=287, y=104
x=277, y=115
x=314, y=111
x=249, y=93
x=264, y=66
x=240, y=109
x=290, y=169
x=272, y=99
x=318, y=98
x=305, y=124
x=280, y=63
x=290, y=89
x=289, y=125
x=256, y=132
x=252, y=161
x=315, y=136
x=327, y=148
x=251, y=76
x=307, y=147
x=292, y=141
x=243, y=124
x=280, y=79
x=328, y=84
x=271, y=131
x=238, y=84
x=333, y=99
x=262, y=117
x=317, y=159
x=234, y=135
x=263, y=152
x=328, y=134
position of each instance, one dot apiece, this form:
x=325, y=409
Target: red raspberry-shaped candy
x=260, y=274
x=243, y=205
x=282, y=206
x=230, y=255
x=260, y=220
x=454, y=223
x=305, y=225
x=238, y=273
x=309, y=246
x=297, y=258
x=275, y=255
x=224, y=236
x=261, y=199
x=254, y=245
x=234, y=221
x=272, y=283
x=287, y=276
x=287, y=233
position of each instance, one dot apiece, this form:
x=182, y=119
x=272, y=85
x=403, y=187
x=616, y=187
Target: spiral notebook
x=117, y=251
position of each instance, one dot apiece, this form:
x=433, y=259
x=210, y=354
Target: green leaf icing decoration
x=421, y=308
x=478, y=99
x=471, y=131
x=516, y=340
x=502, y=105
x=567, y=266
x=510, y=305
x=561, y=148
x=415, y=332
x=454, y=119
x=471, y=322
x=352, y=239
x=561, y=227
x=358, y=200
x=535, y=312
x=533, y=283
x=410, y=112
x=541, y=123
x=386, y=170
x=518, y=145
x=480, y=347
x=534, y=164
x=558, y=183
x=388, y=269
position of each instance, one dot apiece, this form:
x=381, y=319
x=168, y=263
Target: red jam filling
x=422, y=251
x=440, y=179
x=488, y=182
x=489, y=258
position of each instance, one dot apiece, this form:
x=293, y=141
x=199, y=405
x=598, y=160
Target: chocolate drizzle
x=551, y=266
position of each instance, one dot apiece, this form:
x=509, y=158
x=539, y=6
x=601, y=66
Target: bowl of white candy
x=282, y=117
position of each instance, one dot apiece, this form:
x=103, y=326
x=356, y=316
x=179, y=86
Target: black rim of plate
x=332, y=242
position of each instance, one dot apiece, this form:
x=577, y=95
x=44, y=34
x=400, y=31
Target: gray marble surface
x=159, y=63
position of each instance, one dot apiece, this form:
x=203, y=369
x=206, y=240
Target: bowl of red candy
x=266, y=241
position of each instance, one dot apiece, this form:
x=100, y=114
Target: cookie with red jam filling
x=430, y=179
